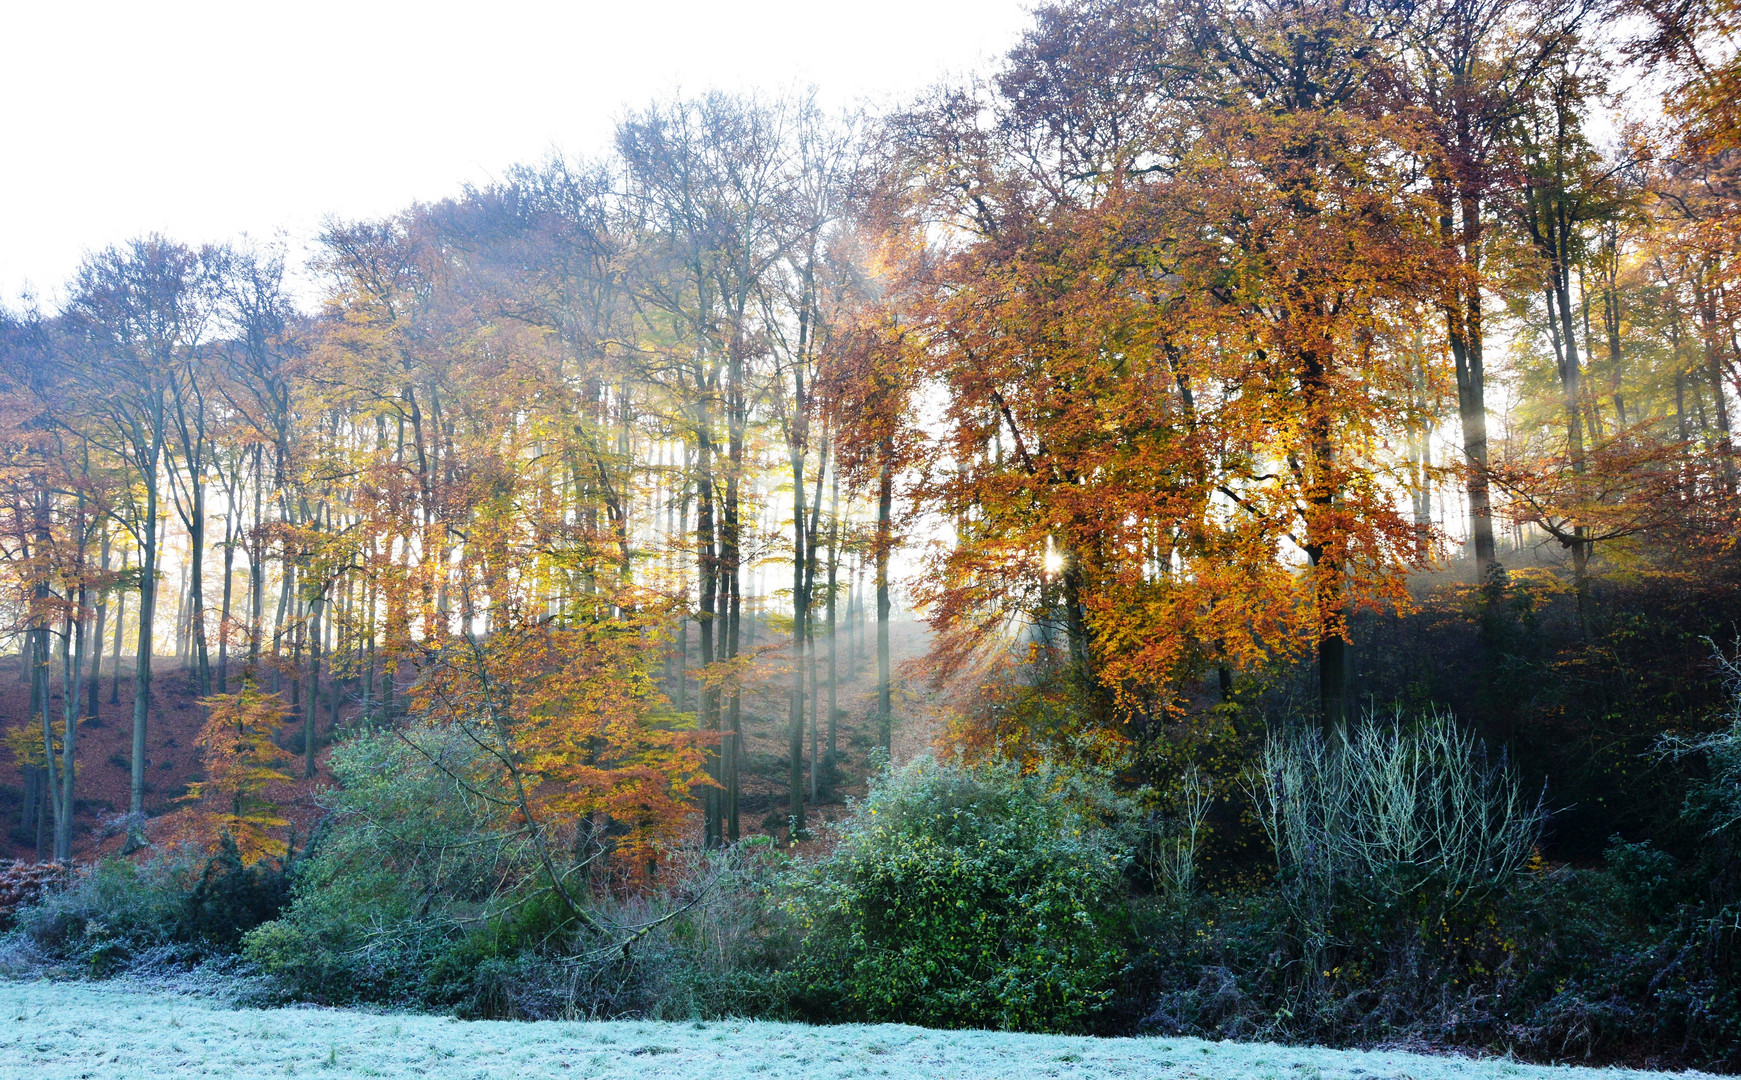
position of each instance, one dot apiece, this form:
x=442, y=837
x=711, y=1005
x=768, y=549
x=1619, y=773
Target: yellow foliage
x=25, y=742
x=241, y=764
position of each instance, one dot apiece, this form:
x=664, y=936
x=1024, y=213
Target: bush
x=413, y=879
x=174, y=909
x=23, y=884
x=969, y=897
x=1396, y=847
x=1714, y=800
x=1389, y=813
x=1618, y=963
x=421, y=890
x=722, y=947
x=232, y=897
x=1408, y=907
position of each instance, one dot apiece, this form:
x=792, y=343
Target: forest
x=1221, y=524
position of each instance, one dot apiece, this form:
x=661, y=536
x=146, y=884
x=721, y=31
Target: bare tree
x=142, y=312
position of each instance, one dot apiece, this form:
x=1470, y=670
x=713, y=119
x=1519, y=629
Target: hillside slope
x=104, y=747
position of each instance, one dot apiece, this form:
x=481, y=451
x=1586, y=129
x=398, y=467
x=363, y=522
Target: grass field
x=58, y=1031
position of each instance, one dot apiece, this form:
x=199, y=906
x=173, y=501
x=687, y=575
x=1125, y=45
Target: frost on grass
x=58, y=1031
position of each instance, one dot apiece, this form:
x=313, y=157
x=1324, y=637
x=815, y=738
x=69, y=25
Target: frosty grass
x=58, y=1031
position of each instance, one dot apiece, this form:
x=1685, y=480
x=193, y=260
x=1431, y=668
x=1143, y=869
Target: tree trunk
x=859, y=618
x=257, y=567
x=815, y=709
x=1333, y=679
x=142, y=661
x=707, y=573
x=370, y=667
x=731, y=741
x=340, y=645
x=120, y=631
x=1714, y=371
x=280, y=619
x=39, y=689
x=1463, y=320
x=27, y=647
x=72, y=682
x=800, y=616
x=1616, y=369
x=178, y=627
x=311, y=695
x=1571, y=380
x=811, y=530
x=94, y=691
x=828, y=762
x=731, y=738
x=229, y=590
x=885, y=508
x=196, y=590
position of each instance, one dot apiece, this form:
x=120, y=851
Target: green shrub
x=115, y=913
x=1407, y=906
x=415, y=877
x=970, y=897
x=232, y=897
x=1618, y=963
x=421, y=890
x=1714, y=800
x=728, y=947
x=1398, y=847
x=175, y=908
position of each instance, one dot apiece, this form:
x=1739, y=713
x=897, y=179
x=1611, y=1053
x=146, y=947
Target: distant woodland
x=1290, y=444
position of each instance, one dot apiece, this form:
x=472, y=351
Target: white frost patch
x=59, y=1031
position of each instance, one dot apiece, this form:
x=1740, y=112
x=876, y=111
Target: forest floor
x=175, y=719
x=918, y=721
x=104, y=752
x=116, y=1031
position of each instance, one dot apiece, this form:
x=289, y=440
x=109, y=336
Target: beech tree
x=1170, y=321
x=141, y=314
x=1471, y=65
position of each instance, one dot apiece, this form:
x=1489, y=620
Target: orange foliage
x=1631, y=485
x=242, y=763
x=1177, y=345
x=569, y=710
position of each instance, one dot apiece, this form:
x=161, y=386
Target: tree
x=706, y=178
x=139, y=314
x=1173, y=309
x=1471, y=64
x=242, y=764
x=1567, y=185
x=869, y=384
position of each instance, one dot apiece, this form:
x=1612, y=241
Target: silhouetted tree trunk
x=885, y=508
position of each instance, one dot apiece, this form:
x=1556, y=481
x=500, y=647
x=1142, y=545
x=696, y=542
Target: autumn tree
x=139, y=313
x=1185, y=249
x=242, y=764
x=1470, y=66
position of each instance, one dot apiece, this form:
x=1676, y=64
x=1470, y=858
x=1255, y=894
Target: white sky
x=204, y=121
